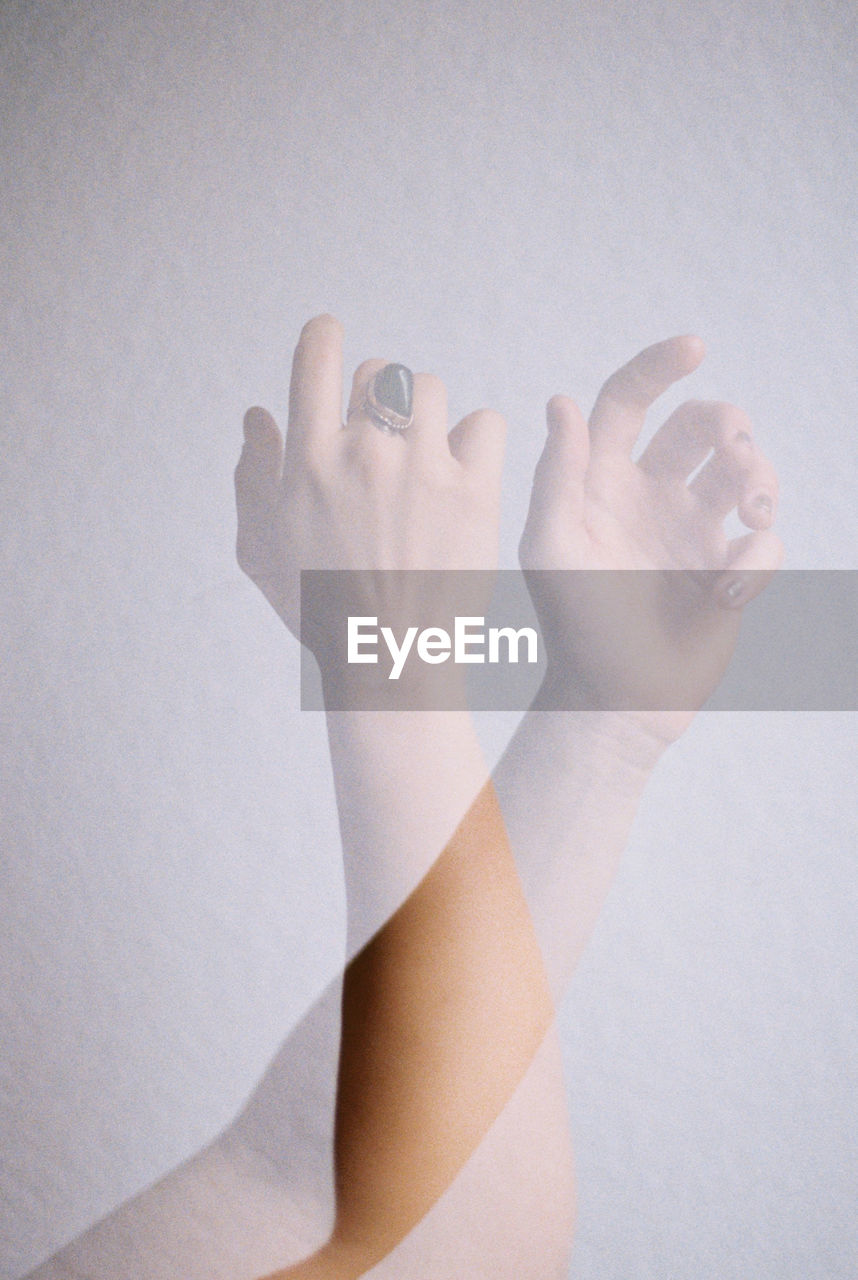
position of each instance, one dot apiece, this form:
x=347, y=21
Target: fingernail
x=394, y=388
x=763, y=503
x=731, y=593
x=743, y=437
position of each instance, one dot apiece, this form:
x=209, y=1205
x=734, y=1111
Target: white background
x=517, y=197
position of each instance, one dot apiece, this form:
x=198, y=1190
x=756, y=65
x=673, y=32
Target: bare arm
x=445, y=1007
x=569, y=786
x=640, y=592
x=443, y=1012
x=571, y=779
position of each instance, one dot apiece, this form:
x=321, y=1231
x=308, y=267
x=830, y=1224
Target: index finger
x=316, y=386
x=620, y=408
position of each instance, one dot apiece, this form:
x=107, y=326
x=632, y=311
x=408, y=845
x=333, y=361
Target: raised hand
x=654, y=643
x=337, y=496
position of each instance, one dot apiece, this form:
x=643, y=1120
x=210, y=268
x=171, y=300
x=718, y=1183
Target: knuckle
x=696, y=415
x=315, y=471
x=428, y=390
x=367, y=369
x=735, y=429
x=370, y=457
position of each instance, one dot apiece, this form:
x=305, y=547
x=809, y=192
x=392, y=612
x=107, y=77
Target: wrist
x=624, y=738
x=622, y=746
x=635, y=736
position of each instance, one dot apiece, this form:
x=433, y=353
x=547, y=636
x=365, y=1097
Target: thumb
x=257, y=484
x=262, y=455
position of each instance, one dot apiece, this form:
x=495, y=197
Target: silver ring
x=388, y=400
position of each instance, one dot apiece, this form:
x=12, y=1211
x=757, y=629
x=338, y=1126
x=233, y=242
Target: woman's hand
x=354, y=497
x=653, y=643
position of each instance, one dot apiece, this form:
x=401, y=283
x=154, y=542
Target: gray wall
x=517, y=197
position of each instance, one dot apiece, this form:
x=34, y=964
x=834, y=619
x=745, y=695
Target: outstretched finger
x=316, y=387
x=621, y=406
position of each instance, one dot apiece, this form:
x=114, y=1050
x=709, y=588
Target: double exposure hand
x=650, y=624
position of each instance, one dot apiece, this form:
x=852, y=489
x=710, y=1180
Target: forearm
x=442, y=1014
x=482, y=1227
x=445, y=1007
x=220, y=1216
x=404, y=780
x=569, y=786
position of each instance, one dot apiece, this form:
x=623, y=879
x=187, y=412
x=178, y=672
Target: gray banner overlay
x=585, y=640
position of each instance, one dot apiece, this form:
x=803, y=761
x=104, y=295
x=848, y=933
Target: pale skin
x=646, y=636
x=568, y=784
x=594, y=508
x=443, y=1010
x=447, y=1005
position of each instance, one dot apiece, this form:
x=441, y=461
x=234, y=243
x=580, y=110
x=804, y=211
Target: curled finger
x=753, y=560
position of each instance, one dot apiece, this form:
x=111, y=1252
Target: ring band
x=388, y=400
